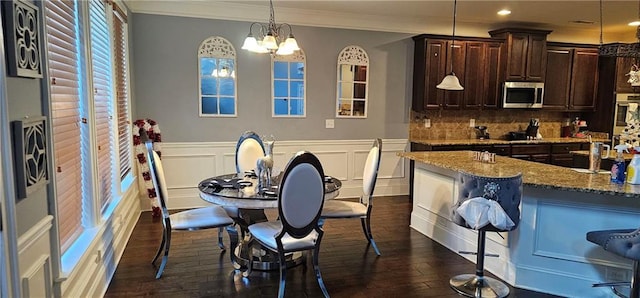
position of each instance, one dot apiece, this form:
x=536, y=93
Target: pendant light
x=451, y=82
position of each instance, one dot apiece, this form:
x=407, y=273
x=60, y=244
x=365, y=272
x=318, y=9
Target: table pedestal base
x=263, y=259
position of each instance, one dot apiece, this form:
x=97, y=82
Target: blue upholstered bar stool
x=485, y=196
x=625, y=243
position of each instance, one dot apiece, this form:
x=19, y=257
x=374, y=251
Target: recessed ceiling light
x=634, y=23
x=504, y=12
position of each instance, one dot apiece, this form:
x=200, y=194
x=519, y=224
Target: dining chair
x=248, y=149
x=188, y=220
x=300, y=200
x=361, y=209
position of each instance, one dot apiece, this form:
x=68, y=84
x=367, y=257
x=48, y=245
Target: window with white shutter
x=65, y=92
x=90, y=118
x=122, y=89
x=102, y=98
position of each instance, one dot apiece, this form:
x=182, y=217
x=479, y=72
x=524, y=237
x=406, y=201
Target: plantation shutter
x=102, y=97
x=122, y=89
x=61, y=23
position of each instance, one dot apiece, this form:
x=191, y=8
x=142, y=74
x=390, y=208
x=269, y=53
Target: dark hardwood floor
x=411, y=264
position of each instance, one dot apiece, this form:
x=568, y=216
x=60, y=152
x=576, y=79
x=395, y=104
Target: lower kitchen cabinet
x=550, y=153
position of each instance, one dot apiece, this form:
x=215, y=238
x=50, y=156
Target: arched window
x=217, y=78
x=353, y=83
x=289, y=85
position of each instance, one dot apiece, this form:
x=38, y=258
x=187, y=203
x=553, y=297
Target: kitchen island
x=548, y=252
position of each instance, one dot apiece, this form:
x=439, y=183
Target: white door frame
x=9, y=270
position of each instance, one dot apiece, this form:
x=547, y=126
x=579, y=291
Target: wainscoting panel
x=34, y=255
x=202, y=165
x=186, y=164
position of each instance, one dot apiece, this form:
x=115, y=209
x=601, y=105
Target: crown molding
x=315, y=18
x=227, y=10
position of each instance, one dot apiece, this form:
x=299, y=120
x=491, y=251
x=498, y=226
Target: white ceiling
x=474, y=17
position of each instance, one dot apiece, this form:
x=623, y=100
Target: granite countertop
x=612, y=155
x=439, y=142
x=533, y=173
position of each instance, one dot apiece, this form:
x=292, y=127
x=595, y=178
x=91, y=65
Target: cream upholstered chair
x=361, y=209
x=301, y=195
x=248, y=149
x=189, y=220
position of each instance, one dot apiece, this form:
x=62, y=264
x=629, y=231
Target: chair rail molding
x=186, y=164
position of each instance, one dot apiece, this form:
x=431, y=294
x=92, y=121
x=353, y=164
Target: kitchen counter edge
x=440, y=142
x=533, y=173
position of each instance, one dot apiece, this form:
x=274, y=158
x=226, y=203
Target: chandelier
x=270, y=37
x=617, y=49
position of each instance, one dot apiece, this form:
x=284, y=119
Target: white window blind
x=122, y=89
x=65, y=89
x=102, y=97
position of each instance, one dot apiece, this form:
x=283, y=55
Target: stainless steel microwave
x=522, y=95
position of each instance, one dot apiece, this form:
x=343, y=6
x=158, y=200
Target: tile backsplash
x=447, y=124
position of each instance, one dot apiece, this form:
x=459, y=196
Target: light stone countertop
x=533, y=173
x=612, y=154
x=439, y=142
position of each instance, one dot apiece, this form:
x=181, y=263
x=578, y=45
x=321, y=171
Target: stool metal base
x=471, y=285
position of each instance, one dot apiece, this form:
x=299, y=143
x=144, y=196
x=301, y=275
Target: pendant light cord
x=453, y=34
x=601, y=23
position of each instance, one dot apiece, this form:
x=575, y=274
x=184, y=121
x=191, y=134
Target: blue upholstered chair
x=210, y=217
x=507, y=192
x=624, y=243
x=361, y=209
x=301, y=195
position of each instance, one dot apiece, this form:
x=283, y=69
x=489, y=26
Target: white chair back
x=371, y=166
x=248, y=150
x=156, y=172
x=301, y=195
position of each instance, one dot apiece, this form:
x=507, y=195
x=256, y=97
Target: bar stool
x=485, y=204
x=625, y=243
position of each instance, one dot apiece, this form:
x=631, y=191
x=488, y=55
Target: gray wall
x=24, y=99
x=165, y=82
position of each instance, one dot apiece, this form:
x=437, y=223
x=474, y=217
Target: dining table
x=246, y=200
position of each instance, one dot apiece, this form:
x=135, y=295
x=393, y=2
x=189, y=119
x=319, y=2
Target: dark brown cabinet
x=550, y=153
x=475, y=63
x=557, y=83
x=493, y=75
x=526, y=52
x=584, y=80
x=623, y=66
x=533, y=152
x=561, y=156
x=429, y=68
x=571, y=80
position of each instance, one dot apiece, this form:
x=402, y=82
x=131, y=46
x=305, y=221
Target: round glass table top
x=241, y=190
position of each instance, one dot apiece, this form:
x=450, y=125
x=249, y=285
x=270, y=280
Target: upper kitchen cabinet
x=475, y=63
x=623, y=66
x=526, y=52
x=431, y=64
x=584, y=80
x=571, y=78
